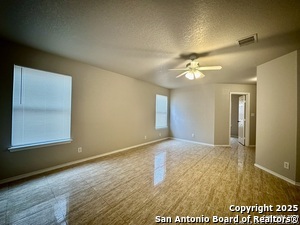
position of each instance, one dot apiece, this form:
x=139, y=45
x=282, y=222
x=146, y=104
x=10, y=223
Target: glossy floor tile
x=165, y=179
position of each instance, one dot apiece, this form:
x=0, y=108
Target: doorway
x=239, y=117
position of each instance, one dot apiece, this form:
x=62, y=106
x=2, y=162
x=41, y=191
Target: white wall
x=192, y=112
x=204, y=110
x=276, y=136
x=222, y=110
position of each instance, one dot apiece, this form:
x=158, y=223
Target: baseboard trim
x=251, y=146
x=200, y=143
x=37, y=172
x=277, y=175
x=194, y=142
x=227, y=146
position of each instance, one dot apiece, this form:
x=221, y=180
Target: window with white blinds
x=161, y=118
x=41, y=108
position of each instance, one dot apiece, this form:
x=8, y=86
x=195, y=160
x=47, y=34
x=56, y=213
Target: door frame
x=247, y=130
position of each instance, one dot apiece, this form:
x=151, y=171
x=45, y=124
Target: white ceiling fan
x=193, y=69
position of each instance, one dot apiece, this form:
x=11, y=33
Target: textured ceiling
x=143, y=39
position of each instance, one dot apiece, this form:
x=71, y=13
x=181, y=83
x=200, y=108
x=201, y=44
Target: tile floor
x=168, y=179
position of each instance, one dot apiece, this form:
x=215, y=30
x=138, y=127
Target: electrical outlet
x=79, y=149
x=159, y=134
x=193, y=135
x=145, y=137
x=286, y=165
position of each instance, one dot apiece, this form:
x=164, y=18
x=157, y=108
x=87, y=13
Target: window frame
x=50, y=142
x=164, y=112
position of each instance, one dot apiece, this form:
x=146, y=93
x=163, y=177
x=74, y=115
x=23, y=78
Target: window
x=161, y=119
x=41, y=108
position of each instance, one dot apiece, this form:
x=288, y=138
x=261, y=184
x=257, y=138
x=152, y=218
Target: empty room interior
x=146, y=112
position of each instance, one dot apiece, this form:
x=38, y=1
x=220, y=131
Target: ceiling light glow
x=195, y=74
x=189, y=75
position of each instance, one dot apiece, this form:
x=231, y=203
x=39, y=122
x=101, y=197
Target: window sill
x=38, y=145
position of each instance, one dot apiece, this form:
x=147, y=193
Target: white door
x=241, y=120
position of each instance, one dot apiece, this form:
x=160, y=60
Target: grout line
x=37, y=172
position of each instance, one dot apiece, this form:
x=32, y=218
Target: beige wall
x=204, y=111
x=277, y=115
x=192, y=112
x=222, y=110
x=109, y=111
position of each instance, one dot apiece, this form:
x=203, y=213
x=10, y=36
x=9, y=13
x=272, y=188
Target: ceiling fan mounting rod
x=192, y=65
x=193, y=57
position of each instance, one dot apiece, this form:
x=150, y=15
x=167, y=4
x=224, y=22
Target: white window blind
x=161, y=119
x=41, y=108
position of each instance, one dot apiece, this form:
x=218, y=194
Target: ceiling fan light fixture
x=193, y=70
x=190, y=75
x=197, y=74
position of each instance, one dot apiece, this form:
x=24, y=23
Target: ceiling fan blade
x=209, y=67
x=179, y=69
x=180, y=75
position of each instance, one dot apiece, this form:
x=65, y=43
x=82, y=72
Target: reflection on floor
x=170, y=178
